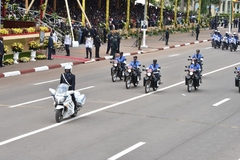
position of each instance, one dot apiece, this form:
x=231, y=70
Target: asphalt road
x=126, y=124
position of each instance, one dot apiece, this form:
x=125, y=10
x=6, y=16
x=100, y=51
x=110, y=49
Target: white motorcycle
x=64, y=106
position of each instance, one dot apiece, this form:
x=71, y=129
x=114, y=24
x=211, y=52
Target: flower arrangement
x=33, y=45
x=41, y=56
x=42, y=28
x=17, y=30
x=17, y=47
x=24, y=59
x=31, y=30
x=45, y=44
x=8, y=62
x=42, y=7
x=4, y=31
x=5, y=49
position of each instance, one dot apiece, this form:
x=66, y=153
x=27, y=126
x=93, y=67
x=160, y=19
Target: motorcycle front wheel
x=128, y=82
x=114, y=76
x=238, y=87
x=189, y=86
x=58, y=115
x=147, y=86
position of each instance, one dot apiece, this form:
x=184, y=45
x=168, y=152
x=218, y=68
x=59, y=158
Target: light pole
x=1, y=13
x=230, y=18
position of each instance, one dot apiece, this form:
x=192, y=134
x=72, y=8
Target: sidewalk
x=77, y=54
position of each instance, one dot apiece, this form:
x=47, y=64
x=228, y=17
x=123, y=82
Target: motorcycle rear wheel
x=128, y=82
x=58, y=115
x=147, y=86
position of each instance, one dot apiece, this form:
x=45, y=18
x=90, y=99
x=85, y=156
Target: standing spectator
x=54, y=41
x=110, y=36
x=50, y=47
x=89, y=45
x=80, y=32
x=104, y=35
x=140, y=40
x=167, y=36
x=118, y=42
x=197, y=32
x=1, y=51
x=97, y=45
x=114, y=46
x=239, y=26
x=67, y=42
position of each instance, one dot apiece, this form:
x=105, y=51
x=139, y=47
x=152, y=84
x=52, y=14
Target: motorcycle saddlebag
x=80, y=98
x=236, y=81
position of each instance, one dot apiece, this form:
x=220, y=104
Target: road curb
x=44, y=68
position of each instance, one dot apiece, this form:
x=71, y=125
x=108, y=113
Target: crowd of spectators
x=117, y=12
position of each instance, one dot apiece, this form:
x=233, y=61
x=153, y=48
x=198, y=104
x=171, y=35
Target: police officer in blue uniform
x=121, y=59
x=155, y=68
x=197, y=68
x=135, y=64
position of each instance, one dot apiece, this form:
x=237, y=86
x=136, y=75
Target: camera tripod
x=192, y=33
x=162, y=37
x=135, y=44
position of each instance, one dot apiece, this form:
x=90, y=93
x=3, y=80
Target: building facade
x=226, y=4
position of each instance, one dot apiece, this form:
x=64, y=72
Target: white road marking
x=46, y=82
x=221, y=102
x=102, y=109
x=37, y=100
x=127, y=151
x=173, y=55
x=208, y=48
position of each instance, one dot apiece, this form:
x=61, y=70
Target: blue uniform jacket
x=197, y=56
x=196, y=67
x=121, y=59
x=154, y=68
x=134, y=65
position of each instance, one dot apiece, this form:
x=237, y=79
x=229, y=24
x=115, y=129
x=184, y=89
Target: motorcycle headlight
x=115, y=64
x=129, y=70
x=148, y=74
x=59, y=99
x=191, y=73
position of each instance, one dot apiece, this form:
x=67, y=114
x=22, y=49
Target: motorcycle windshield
x=62, y=89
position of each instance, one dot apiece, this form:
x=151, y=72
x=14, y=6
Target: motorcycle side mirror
x=235, y=71
x=186, y=66
x=143, y=65
x=189, y=56
x=185, y=70
x=52, y=91
x=236, y=68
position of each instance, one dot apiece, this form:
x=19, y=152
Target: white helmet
x=68, y=67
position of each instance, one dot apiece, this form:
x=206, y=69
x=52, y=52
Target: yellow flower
x=17, y=30
x=5, y=49
x=45, y=29
x=17, y=47
x=31, y=30
x=33, y=45
x=4, y=31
